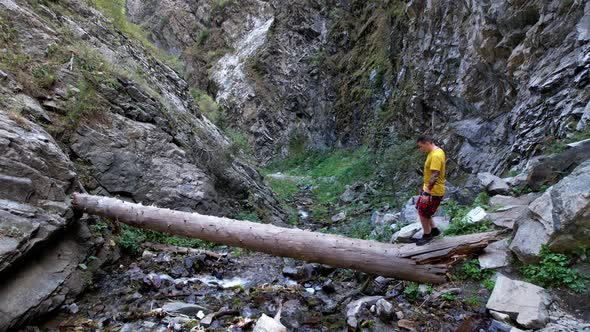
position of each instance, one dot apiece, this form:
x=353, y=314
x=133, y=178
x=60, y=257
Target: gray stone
x=409, y=212
x=506, y=217
x=339, y=217
x=493, y=184
x=30, y=107
x=498, y=201
x=495, y=255
x=497, y=326
x=384, y=310
x=548, y=170
x=354, y=308
x=524, y=302
x=188, y=309
x=380, y=218
x=527, y=241
x=584, y=123
x=560, y=217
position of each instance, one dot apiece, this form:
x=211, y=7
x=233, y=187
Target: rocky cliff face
x=84, y=106
x=494, y=81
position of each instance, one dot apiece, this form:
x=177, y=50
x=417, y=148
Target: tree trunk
x=368, y=256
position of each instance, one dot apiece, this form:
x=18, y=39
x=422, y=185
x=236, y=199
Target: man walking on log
x=433, y=189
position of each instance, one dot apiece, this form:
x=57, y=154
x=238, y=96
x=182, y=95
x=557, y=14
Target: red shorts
x=427, y=207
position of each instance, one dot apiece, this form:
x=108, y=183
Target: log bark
x=368, y=256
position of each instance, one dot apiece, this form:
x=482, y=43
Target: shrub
x=471, y=270
x=412, y=291
x=555, y=270
x=489, y=284
x=132, y=238
x=206, y=104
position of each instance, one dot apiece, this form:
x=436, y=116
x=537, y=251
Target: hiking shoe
x=424, y=239
x=435, y=232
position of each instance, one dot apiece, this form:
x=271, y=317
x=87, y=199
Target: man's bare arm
x=435, y=175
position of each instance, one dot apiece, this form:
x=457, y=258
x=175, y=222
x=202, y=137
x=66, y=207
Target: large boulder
x=140, y=161
x=561, y=217
x=39, y=274
x=523, y=302
x=495, y=255
x=547, y=170
x=508, y=210
x=564, y=210
x=493, y=184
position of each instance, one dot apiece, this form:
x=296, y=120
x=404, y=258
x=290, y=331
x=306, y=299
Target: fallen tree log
x=368, y=256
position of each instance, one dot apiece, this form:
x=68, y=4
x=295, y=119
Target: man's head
x=425, y=143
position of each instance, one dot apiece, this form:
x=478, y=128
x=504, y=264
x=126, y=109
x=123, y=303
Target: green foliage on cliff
x=115, y=11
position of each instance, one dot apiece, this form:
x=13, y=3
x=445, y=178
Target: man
x=433, y=187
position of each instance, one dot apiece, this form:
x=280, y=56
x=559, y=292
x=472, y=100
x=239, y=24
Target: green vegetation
x=555, y=270
x=132, y=238
x=239, y=142
x=87, y=104
x=472, y=271
x=474, y=301
x=461, y=224
x=221, y=4
x=203, y=36
x=489, y=284
x=7, y=31
x=412, y=291
x=449, y=297
x=318, y=57
x=556, y=145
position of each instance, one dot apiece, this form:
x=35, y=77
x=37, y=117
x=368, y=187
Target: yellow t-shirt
x=435, y=162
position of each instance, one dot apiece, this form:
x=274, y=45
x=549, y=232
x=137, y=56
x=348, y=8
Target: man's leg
x=426, y=224
x=431, y=222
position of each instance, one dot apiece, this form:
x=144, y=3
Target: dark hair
x=424, y=139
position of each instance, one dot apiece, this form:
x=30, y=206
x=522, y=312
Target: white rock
x=406, y=233
x=339, y=217
x=476, y=215
x=505, y=318
x=525, y=302
x=267, y=324
x=574, y=144
x=526, y=246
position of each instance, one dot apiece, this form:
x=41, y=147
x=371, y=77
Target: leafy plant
x=412, y=291
x=471, y=270
x=473, y=301
x=132, y=238
x=555, y=270
x=449, y=297
x=489, y=284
